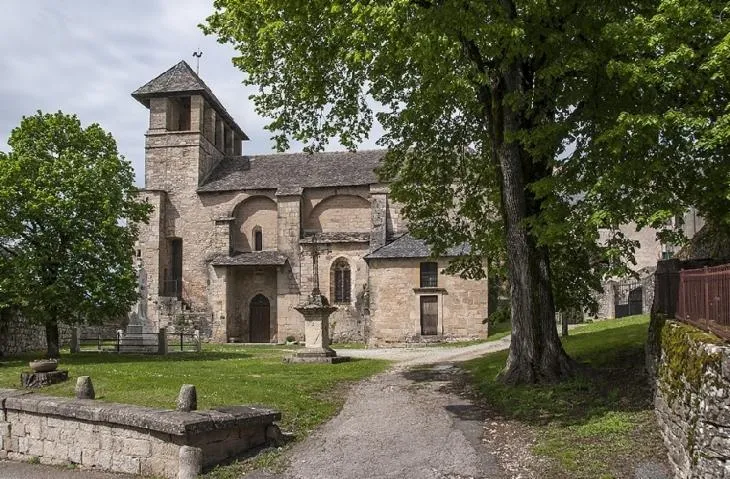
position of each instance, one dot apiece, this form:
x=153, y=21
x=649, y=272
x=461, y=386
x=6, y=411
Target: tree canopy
x=67, y=224
x=521, y=126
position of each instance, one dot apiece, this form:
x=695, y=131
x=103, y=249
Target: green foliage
x=598, y=424
x=501, y=315
x=618, y=112
x=68, y=219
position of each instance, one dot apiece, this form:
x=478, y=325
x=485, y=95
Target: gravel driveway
x=401, y=424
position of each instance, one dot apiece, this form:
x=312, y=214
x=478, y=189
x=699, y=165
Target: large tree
x=67, y=224
x=519, y=125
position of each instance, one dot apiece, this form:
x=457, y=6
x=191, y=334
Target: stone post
x=187, y=400
x=84, y=388
x=191, y=462
x=196, y=338
x=75, y=339
x=162, y=341
x=197, y=111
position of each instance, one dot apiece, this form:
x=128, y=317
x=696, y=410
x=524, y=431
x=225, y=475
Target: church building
x=230, y=245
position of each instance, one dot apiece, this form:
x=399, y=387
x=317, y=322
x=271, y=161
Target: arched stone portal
x=260, y=320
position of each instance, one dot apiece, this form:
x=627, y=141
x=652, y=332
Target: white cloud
x=86, y=57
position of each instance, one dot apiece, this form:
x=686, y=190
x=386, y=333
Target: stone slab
x=177, y=423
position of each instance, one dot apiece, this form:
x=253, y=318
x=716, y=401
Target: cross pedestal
x=317, y=349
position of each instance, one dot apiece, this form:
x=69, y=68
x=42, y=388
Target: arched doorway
x=259, y=319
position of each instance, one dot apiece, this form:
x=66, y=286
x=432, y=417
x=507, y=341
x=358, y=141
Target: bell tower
x=189, y=130
x=189, y=133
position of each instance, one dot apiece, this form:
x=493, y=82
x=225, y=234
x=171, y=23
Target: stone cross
x=315, y=265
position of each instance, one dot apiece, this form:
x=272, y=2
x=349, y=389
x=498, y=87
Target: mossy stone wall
x=693, y=401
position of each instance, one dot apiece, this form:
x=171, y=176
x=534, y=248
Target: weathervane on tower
x=197, y=54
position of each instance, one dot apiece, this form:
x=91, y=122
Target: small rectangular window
x=429, y=274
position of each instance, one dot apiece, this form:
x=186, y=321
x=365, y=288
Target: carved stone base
x=37, y=380
x=316, y=355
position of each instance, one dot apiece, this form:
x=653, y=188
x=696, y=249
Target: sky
x=87, y=56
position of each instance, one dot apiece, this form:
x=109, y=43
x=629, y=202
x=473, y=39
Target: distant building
x=230, y=242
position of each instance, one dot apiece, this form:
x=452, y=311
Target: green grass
x=597, y=425
x=223, y=375
x=499, y=330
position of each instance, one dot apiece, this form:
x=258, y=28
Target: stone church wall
x=348, y=322
x=395, y=303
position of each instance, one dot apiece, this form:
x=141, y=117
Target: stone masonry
x=123, y=438
x=231, y=239
x=692, y=402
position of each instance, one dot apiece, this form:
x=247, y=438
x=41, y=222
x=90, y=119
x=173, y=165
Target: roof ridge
x=314, y=153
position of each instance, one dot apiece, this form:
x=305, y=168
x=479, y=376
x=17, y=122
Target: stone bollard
x=187, y=400
x=162, y=341
x=196, y=338
x=84, y=388
x=191, y=462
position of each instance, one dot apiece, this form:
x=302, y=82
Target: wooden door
x=259, y=320
x=429, y=315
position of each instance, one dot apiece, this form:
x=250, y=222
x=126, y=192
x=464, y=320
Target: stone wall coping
x=172, y=422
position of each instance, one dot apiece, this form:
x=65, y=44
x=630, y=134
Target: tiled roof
x=178, y=80
x=287, y=171
x=407, y=246
x=253, y=258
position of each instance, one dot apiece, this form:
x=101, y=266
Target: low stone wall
x=124, y=438
x=692, y=401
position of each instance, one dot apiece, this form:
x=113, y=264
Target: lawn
x=306, y=394
x=597, y=425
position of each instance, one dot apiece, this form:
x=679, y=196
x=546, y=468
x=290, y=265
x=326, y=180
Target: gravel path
x=401, y=424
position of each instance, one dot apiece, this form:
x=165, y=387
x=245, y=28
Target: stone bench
x=126, y=438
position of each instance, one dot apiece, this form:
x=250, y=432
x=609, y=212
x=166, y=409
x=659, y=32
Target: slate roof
x=406, y=246
x=253, y=258
x=179, y=80
x=291, y=170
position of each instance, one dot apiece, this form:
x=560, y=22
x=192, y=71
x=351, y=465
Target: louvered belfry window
x=341, y=281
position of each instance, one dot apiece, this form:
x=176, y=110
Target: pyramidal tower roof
x=181, y=80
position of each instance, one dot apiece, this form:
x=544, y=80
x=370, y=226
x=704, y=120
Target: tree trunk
x=536, y=353
x=52, y=345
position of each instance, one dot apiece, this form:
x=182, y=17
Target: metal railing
x=162, y=342
x=703, y=299
x=183, y=341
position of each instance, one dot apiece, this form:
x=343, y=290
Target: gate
x=629, y=299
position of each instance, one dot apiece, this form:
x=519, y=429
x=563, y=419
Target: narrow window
x=258, y=240
x=175, y=284
x=429, y=274
x=341, y=281
x=184, y=114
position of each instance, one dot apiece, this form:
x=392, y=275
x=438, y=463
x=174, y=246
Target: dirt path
x=402, y=424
